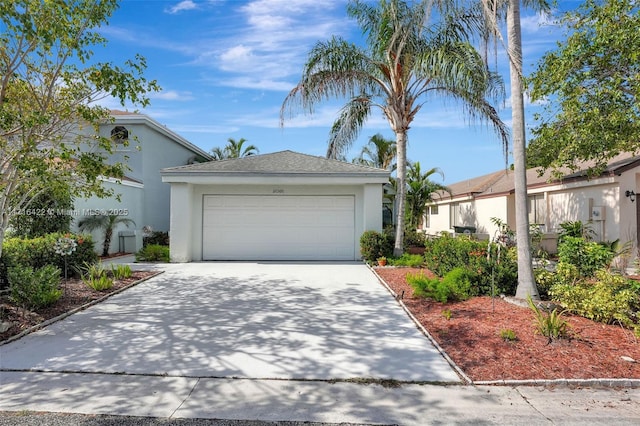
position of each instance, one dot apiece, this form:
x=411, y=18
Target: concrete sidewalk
x=314, y=401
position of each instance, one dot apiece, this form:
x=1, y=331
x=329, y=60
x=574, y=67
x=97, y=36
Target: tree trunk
x=401, y=196
x=526, y=282
x=107, y=242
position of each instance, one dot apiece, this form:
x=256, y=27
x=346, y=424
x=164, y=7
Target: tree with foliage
x=48, y=100
x=421, y=191
x=492, y=12
x=406, y=59
x=234, y=149
x=105, y=223
x=380, y=152
x=48, y=212
x=591, y=83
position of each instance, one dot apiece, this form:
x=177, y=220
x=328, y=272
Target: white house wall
x=575, y=204
x=487, y=208
x=186, y=210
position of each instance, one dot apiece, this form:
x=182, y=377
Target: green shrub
x=34, y=288
x=544, y=281
x=157, y=237
x=508, y=335
x=411, y=260
x=373, y=245
x=445, y=253
x=92, y=270
x=456, y=285
x=153, y=253
x=414, y=238
x=120, y=272
x=611, y=298
x=39, y=252
x=551, y=325
x=587, y=256
x=98, y=283
x=575, y=229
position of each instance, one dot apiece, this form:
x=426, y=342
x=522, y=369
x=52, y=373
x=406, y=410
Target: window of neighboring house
x=119, y=134
x=537, y=209
x=431, y=210
x=454, y=215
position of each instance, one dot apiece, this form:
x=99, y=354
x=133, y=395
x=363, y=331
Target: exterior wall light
x=631, y=195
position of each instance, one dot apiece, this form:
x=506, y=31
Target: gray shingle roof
x=277, y=163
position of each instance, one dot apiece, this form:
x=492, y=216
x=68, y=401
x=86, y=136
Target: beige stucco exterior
x=600, y=201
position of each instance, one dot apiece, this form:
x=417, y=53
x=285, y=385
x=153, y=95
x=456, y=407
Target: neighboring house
x=607, y=201
x=278, y=206
x=143, y=197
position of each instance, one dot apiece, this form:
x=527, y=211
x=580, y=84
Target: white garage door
x=263, y=227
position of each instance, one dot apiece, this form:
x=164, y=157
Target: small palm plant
x=106, y=223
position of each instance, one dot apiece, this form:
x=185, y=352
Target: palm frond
x=348, y=125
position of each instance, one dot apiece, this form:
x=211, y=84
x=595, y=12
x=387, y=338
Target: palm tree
x=420, y=192
x=219, y=153
x=234, y=149
x=404, y=60
x=491, y=11
x=106, y=223
x=237, y=149
x=380, y=152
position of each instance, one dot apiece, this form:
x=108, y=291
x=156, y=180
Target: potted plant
x=382, y=261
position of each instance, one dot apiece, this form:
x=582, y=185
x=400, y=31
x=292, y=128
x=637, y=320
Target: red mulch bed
x=471, y=338
x=76, y=294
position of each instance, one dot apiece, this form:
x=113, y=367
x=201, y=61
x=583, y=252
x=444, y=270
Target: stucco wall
x=130, y=206
x=149, y=152
x=186, y=210
x=575, y=204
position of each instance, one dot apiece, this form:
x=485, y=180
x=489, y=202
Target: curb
x=591, y=383
x=75, y=310
x=466, y=379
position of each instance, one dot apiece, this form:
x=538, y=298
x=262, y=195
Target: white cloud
x=273, y=45
x=182, y=6
x=172, y=95
x=533, y=23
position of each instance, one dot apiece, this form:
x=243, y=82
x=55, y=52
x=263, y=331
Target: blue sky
x=225, y=67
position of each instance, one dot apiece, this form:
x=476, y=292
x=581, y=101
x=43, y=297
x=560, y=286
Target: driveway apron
x=241, y=320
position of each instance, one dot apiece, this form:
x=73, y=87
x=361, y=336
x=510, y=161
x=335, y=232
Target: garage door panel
x=245, y=227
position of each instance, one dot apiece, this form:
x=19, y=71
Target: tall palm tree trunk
x=401, y=176
x=526, y=283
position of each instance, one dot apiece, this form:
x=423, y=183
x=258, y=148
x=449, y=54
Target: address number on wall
x=278, y=191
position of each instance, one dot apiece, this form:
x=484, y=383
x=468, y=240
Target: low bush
x=374, y=245
x=508, y=335
x=411, y=260
x=39, y=252
x=153, y=253
x=157, y=237
x=32, y=288
x=414, y=238
x=98, y=283
x=119, y=272
x=456, y=285
x=551, y=325
x=609, y=298
x=492, y=269
x=587, y=256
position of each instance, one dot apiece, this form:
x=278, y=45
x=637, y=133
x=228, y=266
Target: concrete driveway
x=241, y=320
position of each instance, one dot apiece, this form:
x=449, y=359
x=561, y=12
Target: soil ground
x=469, y=332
